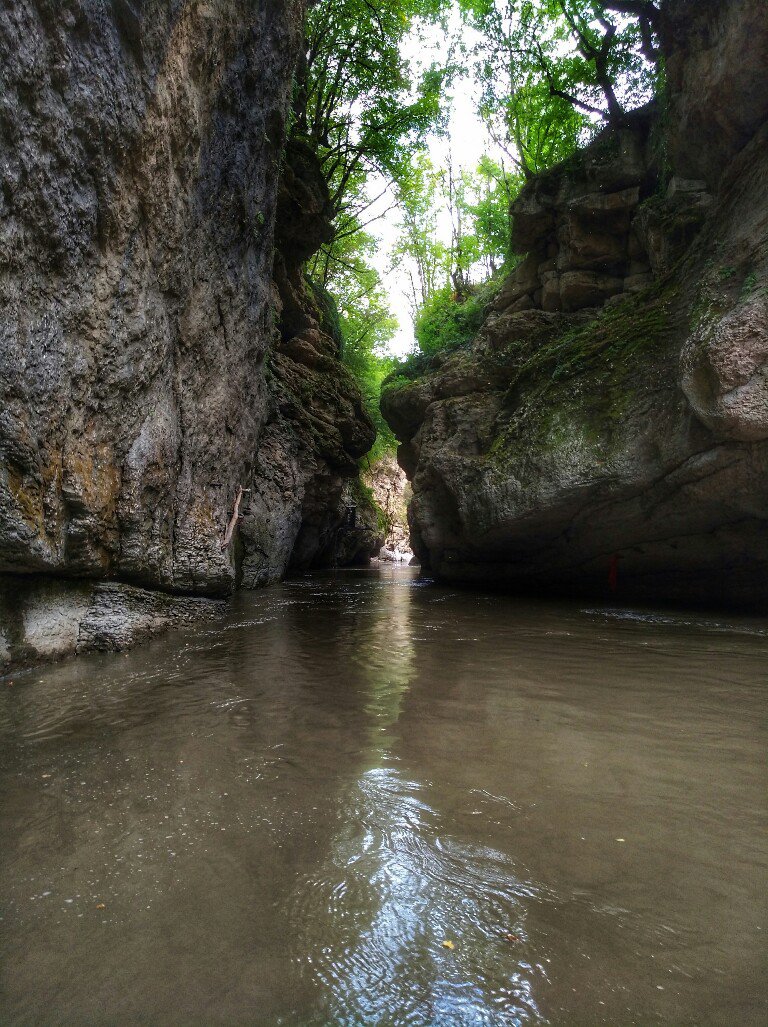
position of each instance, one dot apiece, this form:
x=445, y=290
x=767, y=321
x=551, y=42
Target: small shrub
x=444, y=323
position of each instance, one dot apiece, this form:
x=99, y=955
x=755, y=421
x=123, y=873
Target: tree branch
x=234, y=518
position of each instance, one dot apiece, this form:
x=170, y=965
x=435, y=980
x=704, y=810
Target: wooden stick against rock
x=236, y=515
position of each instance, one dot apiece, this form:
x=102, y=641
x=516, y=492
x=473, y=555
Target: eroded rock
x=619, y=449
x=157, y=351
x=48, y=618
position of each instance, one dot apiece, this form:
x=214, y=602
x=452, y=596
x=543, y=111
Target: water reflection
x=396, y=884
x=280, y=819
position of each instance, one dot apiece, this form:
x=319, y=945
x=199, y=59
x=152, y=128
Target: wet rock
x=139, y=204
x=392, y=492
x=46, y=619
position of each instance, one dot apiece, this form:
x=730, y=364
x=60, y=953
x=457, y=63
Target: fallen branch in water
x=236, y=515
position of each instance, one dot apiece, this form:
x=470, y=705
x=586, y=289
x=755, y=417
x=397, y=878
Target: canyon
x=175, y=418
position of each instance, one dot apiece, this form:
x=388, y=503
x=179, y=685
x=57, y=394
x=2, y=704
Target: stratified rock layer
x=140, y=383
x=606, y=435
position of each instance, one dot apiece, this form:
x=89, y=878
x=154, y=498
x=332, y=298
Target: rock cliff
x=392, y=493
x=149, y=363
x=607, y=431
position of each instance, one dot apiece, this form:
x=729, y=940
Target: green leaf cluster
x=447, y=323
x=357, y=101
x=551, y=71
x=356, y=310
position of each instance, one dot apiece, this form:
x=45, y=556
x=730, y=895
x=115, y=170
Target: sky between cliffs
x=469, y=140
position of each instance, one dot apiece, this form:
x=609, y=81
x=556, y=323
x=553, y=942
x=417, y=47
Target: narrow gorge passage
x=383, y=513
x=285, y=818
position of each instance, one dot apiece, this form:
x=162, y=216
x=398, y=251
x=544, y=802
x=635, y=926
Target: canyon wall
x=607, y=431
x=149, y=364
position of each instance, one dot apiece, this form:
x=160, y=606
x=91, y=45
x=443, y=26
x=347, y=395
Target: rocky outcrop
x=47, y=618
x=392, y=493
x=601, y=437
x=716, y=56
x=143, y=378
x=362, y=533
x=299, y=513
x=601, y=226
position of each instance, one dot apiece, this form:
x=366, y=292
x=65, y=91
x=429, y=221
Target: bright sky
x=471, y=141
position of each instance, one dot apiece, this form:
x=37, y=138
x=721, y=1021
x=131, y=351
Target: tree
x=355, y=101
x=495, y=189
x=419, y=252
x=552, y=69
x=361, y=110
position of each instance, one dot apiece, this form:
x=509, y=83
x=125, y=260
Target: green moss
x=406, y=373
x=620, y=333
x=445, y=323
x=327, y=312
x=749, y=287
x=365, y=499
x=576, y=388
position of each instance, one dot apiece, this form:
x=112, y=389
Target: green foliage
x=495, y=189
x=418, y=252
x=355, y=311
x=359, y=107
x=550, y=70
x=445, y=323
x=477, y=206
x=356, y=102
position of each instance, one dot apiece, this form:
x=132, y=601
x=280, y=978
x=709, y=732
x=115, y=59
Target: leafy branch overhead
x=356, y=101
x=552, y=69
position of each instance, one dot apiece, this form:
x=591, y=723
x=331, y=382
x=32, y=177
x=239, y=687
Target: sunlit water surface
x=282, y=818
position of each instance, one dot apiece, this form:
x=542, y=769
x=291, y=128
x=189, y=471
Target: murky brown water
x=285, y=818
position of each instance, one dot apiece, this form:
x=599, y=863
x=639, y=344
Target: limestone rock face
x=601, y=225
x=725, y=372
x=614, y=448
x=138, y=192
x=48, y=618
x=143, y=377
x=717, y=68
x=392, y=492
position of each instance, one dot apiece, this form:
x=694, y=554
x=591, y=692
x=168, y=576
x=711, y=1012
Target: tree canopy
x=550, y=69
x=356, y=100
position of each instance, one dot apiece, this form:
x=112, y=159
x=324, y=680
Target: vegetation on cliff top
x=549, y=72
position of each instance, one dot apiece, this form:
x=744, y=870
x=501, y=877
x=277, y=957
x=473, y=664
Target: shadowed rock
x=144, y=375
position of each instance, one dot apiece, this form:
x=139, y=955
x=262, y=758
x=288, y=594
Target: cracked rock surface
x=143, y=377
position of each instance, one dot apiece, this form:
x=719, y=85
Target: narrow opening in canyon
x=430, y=123
x=383, y=512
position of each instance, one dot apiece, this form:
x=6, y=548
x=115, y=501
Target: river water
x=281, y=819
